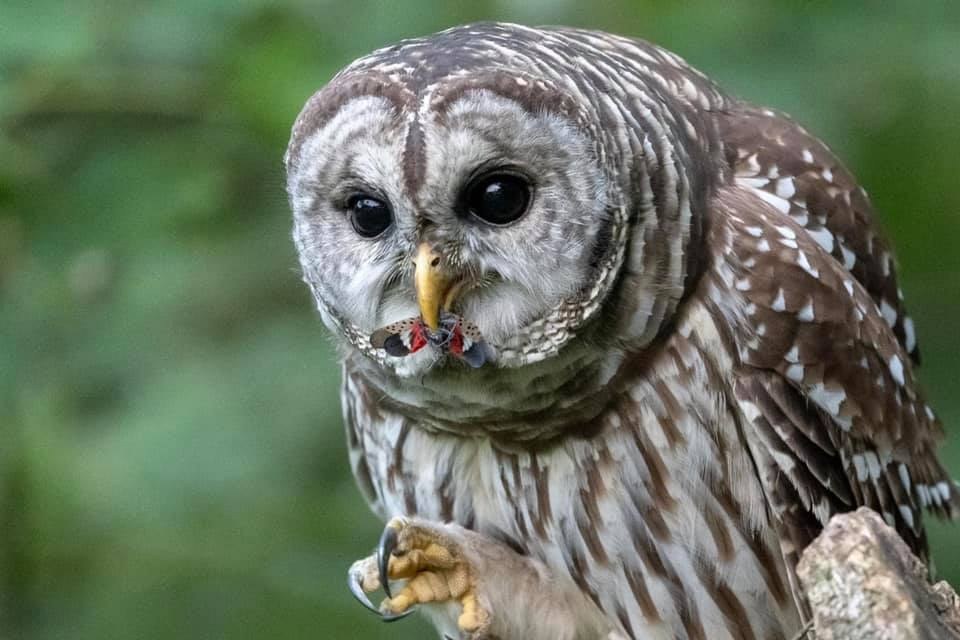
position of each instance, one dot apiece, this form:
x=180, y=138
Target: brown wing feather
x=774, y=155
x=827, y=387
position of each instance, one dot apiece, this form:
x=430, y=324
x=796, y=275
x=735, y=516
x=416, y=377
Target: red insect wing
x=418, y=338
x=456, y=341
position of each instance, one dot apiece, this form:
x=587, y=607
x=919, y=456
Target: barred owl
x=616, y=344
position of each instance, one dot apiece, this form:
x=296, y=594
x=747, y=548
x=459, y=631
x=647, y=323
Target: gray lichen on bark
x=862, y=582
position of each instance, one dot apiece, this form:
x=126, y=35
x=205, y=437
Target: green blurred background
x=171, y=451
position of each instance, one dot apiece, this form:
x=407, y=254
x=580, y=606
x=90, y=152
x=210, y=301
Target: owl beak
x=436, y=289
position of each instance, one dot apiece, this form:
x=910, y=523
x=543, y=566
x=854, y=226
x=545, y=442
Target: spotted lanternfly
x=455, y=336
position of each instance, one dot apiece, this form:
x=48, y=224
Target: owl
x=615, y=343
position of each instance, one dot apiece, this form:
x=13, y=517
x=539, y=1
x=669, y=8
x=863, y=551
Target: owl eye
x=498, y=199
x=369, y=216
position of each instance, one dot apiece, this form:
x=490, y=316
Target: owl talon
x=385, y=549
x=393, y=617
x=430, y=560
x=363, y=578
x=355, y=584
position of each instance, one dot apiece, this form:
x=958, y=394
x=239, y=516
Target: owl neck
x=522, y=405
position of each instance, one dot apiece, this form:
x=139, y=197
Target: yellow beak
x=433, y=284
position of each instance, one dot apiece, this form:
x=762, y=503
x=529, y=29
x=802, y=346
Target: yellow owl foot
x=432, y=566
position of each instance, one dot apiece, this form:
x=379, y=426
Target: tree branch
x=863, y=582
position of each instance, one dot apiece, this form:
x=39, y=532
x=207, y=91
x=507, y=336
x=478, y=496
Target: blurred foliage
x=171, y=453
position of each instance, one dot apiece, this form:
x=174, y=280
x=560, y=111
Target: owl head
x=484, y=172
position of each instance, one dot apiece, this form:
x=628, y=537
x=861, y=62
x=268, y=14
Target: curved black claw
x=388, y=542
x=353, y=582
x=393, y=617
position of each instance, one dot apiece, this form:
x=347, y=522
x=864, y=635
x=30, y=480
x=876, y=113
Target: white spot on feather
x=849, y=257
x=783, y=460
x=944, y=490
x=907, y=514
x=924, y=495
x=823, y=237
x=909, y=335
x=795, y=372
x=779, y=303
x=896, y=369
x=756, y=232
x=888, y=312
x=786, y=188
x=806, y=313
x=753, y=183
x=861, y=467
x=904, y=477
x=805, y=265
x=848, y=285
x=786, y=232
x=807, y=156
x=873, y=464
x=793, y=355
x=778, y=203
x=827, y=399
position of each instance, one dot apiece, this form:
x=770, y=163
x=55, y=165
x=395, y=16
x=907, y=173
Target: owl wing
x=825, y=381
x=796, y=174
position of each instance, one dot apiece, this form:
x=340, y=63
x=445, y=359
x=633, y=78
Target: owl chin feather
x=416, y=365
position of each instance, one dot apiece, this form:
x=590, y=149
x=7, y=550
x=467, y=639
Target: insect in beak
x=453, y=335
x=437, y=325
